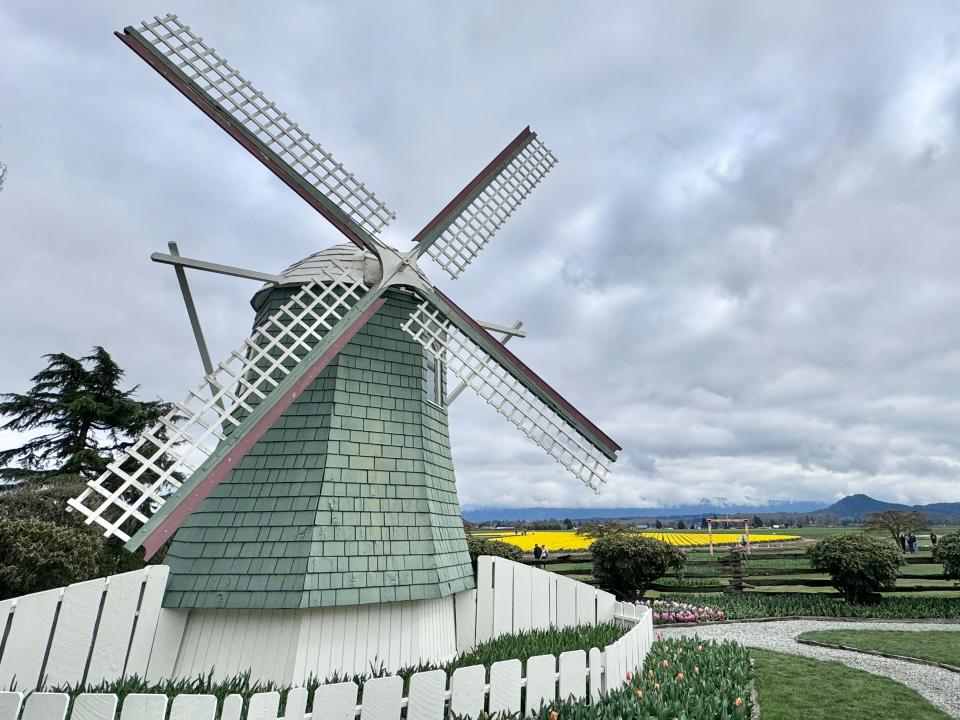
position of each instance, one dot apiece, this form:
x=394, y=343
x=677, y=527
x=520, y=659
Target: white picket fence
x=113, y=627
x=469, y=691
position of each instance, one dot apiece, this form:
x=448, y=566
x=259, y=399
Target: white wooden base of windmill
x=304, y=490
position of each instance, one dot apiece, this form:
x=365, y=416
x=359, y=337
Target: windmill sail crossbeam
x=492, y=382
x=247, y=106
x=468, y=233
x=137, y=483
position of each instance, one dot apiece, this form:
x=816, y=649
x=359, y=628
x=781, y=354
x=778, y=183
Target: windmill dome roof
x=346, y=258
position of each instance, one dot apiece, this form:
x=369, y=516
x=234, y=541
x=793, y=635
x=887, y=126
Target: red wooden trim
x=225, y=122
x=472, y=185
x=165, y=529
x=519, y=366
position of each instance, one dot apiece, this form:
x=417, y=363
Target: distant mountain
x=857, y=507
x=479, y=514
x=852, y=508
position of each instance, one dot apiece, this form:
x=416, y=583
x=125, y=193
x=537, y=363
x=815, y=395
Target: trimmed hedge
x=626, y=564
x=859, y=565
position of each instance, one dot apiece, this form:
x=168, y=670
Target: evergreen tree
x=88, y=419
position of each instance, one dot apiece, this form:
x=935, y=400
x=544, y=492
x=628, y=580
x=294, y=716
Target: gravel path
x=941, y=687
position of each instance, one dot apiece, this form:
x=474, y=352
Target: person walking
x=546, y=553
x=912, y=542
x=902, y=541
x=933, y=538
x=537, y=552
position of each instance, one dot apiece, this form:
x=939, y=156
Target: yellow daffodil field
x=569, y=540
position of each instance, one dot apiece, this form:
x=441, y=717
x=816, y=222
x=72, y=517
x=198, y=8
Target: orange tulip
x=639, y=694
x=656, y=686
x=554, y=715
x=666, y=663
x=738, y=702
x=680, y=676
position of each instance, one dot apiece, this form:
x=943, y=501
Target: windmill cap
x=356, y=263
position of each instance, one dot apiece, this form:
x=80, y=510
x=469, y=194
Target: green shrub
x=858, y=565
x=37, y=555
x=626, y=564
x=478, y=546
x=947, y=553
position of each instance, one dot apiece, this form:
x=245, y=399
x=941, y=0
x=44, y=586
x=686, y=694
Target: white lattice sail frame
x=189, y=434
x=495, y=384
x=469, y=232
x=248, y=106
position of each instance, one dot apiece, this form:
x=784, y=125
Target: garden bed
x=750, y=606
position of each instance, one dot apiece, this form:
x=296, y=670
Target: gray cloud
x=743, y=268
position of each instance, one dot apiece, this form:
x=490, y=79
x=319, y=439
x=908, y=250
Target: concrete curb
x=878, y=653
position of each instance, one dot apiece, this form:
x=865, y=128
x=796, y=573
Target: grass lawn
x=797, y=688
x=935, y=645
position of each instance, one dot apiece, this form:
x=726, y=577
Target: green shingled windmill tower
x=312, y=467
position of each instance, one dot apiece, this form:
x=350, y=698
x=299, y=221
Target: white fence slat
x=147, y=619
x=73, y=638
x=426, y=699
x=522, y=604
x=116, y=625
x=504, y=687
x=337, y=701
x=296, y=704
x=96, y=706
x=502, y=597
x=465, y=607
x=46, y=706
x=381, y=698
x=541, y=682
x=10, y=703
x=193, y=707
x=264, y=706
x=605, y=606
x=28, y=638
x=233, y=707
x=143, y=706
x=466, y=691
x=566, y=602
x=611, y=668
x=552, y=587
x=540, y=599
x=484, y=598
x=586, y=604
x=166, y=644
x=596, y=674
x=573, y=674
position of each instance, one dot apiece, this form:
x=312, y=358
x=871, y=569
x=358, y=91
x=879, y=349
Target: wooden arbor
x=746, y=528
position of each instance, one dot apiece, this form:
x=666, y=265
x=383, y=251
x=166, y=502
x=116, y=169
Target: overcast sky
x=744, y=267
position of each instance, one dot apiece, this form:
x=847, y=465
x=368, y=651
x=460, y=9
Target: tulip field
x=569, y=540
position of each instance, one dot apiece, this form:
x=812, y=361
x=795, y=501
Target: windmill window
x=432, y=386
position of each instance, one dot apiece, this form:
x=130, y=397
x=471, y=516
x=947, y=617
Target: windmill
x=311, y=467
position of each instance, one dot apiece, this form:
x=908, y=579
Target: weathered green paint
x=259, y=411
x=349, y=498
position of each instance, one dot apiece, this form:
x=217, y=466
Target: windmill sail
x=464, y=227
x=242, y=110
x=140, y=481
x=547, y=424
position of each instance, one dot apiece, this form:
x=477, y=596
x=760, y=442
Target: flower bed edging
x=878, y=653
